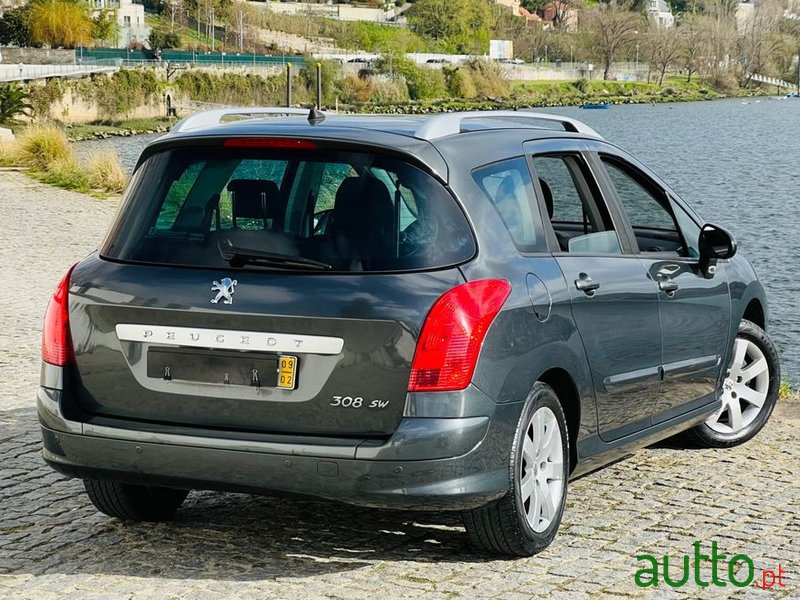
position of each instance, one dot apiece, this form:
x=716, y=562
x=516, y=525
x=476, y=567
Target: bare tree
x=693, y=45
x=613, y=30
x=664, y=49
x=239, y=17
x=759, y=41
x=175, y=10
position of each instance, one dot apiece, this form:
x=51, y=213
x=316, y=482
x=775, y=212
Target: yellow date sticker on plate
x=287, y=372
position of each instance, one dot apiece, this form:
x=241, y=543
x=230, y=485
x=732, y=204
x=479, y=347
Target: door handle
x=669, y=286
x=586, y=284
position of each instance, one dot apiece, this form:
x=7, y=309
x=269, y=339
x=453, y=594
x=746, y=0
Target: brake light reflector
x=282, y=143
x=56, y=340
x=451, y=338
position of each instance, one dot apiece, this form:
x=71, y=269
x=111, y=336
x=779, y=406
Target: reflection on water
x=737, y=163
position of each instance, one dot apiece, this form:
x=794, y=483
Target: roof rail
x=450, y=123
x=210, y=118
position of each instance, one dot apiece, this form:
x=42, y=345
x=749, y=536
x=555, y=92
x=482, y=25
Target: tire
x=129, y=502
x=721, y=430
x=503, y=527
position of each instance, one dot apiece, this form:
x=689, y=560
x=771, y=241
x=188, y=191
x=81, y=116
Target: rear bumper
x=429, y=464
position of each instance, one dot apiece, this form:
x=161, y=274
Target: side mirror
x=715, y=243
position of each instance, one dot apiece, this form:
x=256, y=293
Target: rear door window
x=288, y=209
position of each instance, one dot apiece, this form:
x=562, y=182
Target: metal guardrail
x=22, y=72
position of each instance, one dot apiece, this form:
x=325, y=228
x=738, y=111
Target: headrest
x=363, y=204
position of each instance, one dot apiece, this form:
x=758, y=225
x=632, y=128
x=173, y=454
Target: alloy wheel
x=744, y=390
x=541, y=469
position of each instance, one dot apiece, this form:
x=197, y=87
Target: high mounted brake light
x=56, y=339
x=454, y=330
x=279, y=143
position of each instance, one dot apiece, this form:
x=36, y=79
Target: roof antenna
x=315, y=117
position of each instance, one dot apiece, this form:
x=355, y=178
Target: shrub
x=489, y=77
x=44, y=94
x=423, y=83
x=123, y=91
x=8, y=154
x=375, y=90
x=460, y=83
x=41, y=146
x=104, y=172
x=582, y=85
x=66, y=173
x=307, y=78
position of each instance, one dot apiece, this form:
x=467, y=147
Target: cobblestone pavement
x=53, y=544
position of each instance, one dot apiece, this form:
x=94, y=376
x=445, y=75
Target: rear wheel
x=526, y=519
x=130, y=502
x=749, y=392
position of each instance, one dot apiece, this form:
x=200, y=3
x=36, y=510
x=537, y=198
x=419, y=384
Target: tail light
x=451, y=338
x=56, y=340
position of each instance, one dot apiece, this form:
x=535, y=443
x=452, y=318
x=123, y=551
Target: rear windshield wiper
x=237, y=257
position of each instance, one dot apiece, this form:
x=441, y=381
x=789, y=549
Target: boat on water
x=596, y=105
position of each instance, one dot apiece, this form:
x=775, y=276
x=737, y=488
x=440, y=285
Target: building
x=660, y=13
x=514, y=5
x=130, y=20
x=562, y=16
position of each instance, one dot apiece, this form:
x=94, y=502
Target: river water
x=737, y=162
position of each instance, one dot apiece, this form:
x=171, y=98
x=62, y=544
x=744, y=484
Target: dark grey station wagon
x=454, y=313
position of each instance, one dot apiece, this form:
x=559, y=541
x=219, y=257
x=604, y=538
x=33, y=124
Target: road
x=53, y=544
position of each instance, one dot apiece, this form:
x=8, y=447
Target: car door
x=614, y=303
x=694, y=310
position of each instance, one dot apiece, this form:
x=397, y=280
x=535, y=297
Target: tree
x=613, y=30
x=664, y=50
x=461, y=25
x=174, y=9
x=160, y=39
x=561, y=10
x=14, y=101
x=759, y=42
x=240, y=16
x=15, y=27
x=692, y=48
x=60, y=23
x=104, y=26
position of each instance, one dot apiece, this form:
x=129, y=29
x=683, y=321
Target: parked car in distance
x=437, y=61
x=512, y=61
x=460, y=313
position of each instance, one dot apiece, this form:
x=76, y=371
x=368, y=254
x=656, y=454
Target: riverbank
x=123, y=128
x=524, y=94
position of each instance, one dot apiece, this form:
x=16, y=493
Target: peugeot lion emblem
x=224, y=290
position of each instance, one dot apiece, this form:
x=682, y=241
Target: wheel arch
x=754, y=312
x=567, y=391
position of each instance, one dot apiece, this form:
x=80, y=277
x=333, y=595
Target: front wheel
x=525, y=521
x=749, y=391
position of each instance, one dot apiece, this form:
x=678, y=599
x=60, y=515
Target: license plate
x=287, y=372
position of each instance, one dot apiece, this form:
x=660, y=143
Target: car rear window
x=288, y=209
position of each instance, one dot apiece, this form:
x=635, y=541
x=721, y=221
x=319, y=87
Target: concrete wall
x=37, y=56
x=74, y=109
